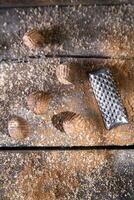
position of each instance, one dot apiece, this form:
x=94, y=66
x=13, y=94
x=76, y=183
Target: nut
x=75, y=123
x=33, y=39
x=68, y=73
x=18, y=128
x=38, y=102
x=59, y=118
x=71, y=122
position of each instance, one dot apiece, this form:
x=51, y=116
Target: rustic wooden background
x=90, y=33
x=70, y=175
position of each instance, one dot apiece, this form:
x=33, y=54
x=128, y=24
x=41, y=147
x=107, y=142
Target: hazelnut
x=33, y=39
x=18, y=128
x=38, y=102
x=68, y=73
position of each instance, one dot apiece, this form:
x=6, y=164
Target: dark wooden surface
x=86, y=175
x=19, y=79
x=84, y=31
x=96, y=33
x=104, y=31
x=27, y=3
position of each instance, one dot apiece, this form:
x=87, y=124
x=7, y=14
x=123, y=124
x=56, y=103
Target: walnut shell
x=18, y=128
x=38, y=102
x=68, y=73
x=33, y=39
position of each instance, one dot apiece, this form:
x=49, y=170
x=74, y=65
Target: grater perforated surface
x=108, y=98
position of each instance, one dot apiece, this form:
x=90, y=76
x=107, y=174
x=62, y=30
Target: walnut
x=33, y=39
x=18, y=128
x=38, y=102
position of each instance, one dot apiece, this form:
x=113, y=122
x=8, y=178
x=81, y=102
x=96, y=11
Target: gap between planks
x=25, y=3
x=21, y=60
x=66, y=148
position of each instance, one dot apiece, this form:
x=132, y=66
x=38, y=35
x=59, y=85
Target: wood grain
x=67, y=175
x=26, y=3
x=83, y=31
x=105, y=31
x=17, y=80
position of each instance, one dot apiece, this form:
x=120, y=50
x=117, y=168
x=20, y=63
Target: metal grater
x=108, y=98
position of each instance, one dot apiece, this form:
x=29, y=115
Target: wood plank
x=17, y=80
x=26, y=3
x=67, y=175
x=83, y=31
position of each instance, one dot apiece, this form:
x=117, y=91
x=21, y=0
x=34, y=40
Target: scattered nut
x=68, y=73
x=18, y=128
x=38, y=102
x=58, y=119
x=33, y=39
x=71, y=122
x=75, y=123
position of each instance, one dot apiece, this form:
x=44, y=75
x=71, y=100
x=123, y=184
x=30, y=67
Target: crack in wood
x=65, y=148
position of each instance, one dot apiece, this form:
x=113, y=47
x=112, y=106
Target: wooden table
x=51, y=164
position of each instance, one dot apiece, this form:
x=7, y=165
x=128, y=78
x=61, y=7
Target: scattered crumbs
x=65, y=175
